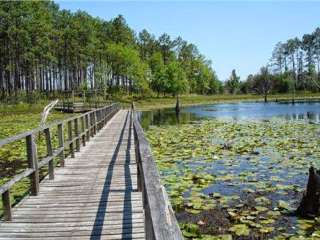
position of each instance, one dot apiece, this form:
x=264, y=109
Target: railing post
x=33, y=163
x=99, y=119
x=91, y=124
x=61, y=143
x=106, y=110
x=94, y=123
x=70, y=138
x=96, y=114
x=49, y=153
x=88, y=127
x=83, y=130
x=7, y=211
x=76, y=131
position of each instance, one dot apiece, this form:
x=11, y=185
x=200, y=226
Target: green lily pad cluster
x=250, y=173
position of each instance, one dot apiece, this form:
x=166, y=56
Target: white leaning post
x=46, y=111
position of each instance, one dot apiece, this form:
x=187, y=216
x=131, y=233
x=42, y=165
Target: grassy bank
x=189, y=100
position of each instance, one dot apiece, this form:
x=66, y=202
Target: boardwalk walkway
x=94, y=196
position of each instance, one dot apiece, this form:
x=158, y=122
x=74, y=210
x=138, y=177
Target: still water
x=309, y=111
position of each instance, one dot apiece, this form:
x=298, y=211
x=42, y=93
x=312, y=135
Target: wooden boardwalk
x=95, y=196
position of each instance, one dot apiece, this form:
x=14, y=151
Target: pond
x=236, y=111
x=237, y=170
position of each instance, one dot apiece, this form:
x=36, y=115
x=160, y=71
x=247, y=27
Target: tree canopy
x=294, y=66
x=45, y=49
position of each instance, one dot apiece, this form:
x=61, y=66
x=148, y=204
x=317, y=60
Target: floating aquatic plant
x=251, y=174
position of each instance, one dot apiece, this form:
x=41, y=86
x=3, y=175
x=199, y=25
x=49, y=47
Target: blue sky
x=233, y=34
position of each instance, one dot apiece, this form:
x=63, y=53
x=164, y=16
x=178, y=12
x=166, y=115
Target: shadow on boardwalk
x=127, y=212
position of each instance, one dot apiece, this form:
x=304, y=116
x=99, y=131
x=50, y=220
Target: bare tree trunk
x=309, y=205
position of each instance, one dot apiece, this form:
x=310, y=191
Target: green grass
x=22, y=117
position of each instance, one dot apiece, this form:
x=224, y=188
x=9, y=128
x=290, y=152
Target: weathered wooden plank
x=87, y=218
x=94, y=237
x=63, y=228
x=92, y=200
x=94, y=196
x=79, y=198
x=76, y=206
x=106, y=222
x=92, y=232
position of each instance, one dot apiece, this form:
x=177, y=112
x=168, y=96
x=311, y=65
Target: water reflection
x=166, y=117
x=309, y=111
x=308, y=116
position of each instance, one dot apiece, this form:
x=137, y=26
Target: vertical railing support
x=49, y=153
x=76, y=132
x=88, y=127
x=61, y=143
x=94, y=123
x=83, y=131
x=33, y=163
x=70, y=139
x=7, y=211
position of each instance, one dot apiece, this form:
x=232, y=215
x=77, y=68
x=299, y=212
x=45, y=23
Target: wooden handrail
x=77, y=132
x=160, y=220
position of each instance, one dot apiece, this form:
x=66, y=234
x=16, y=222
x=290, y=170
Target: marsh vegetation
x=238, y=179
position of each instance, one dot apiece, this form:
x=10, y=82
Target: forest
x=45, y=50
x=294, y=65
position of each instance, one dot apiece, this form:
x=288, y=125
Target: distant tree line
x=45, y=49
x=294, y=66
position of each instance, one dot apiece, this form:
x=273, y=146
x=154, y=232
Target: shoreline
x=196, y=100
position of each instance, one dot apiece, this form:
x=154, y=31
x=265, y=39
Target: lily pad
x=240, y=229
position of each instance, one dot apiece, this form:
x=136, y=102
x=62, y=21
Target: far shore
x=152, y=103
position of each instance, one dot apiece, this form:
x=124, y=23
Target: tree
x=158, y=71
x=278, y=57
x=56, y=58
x=296, y=64
x=262, y=83
x=316, y=39
x=215, y=86
x=147, y=45
x=177, y=82
x=233, y=83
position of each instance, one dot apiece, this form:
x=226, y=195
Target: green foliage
x=75, y=51
x=233, y=83
x=176, y=79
